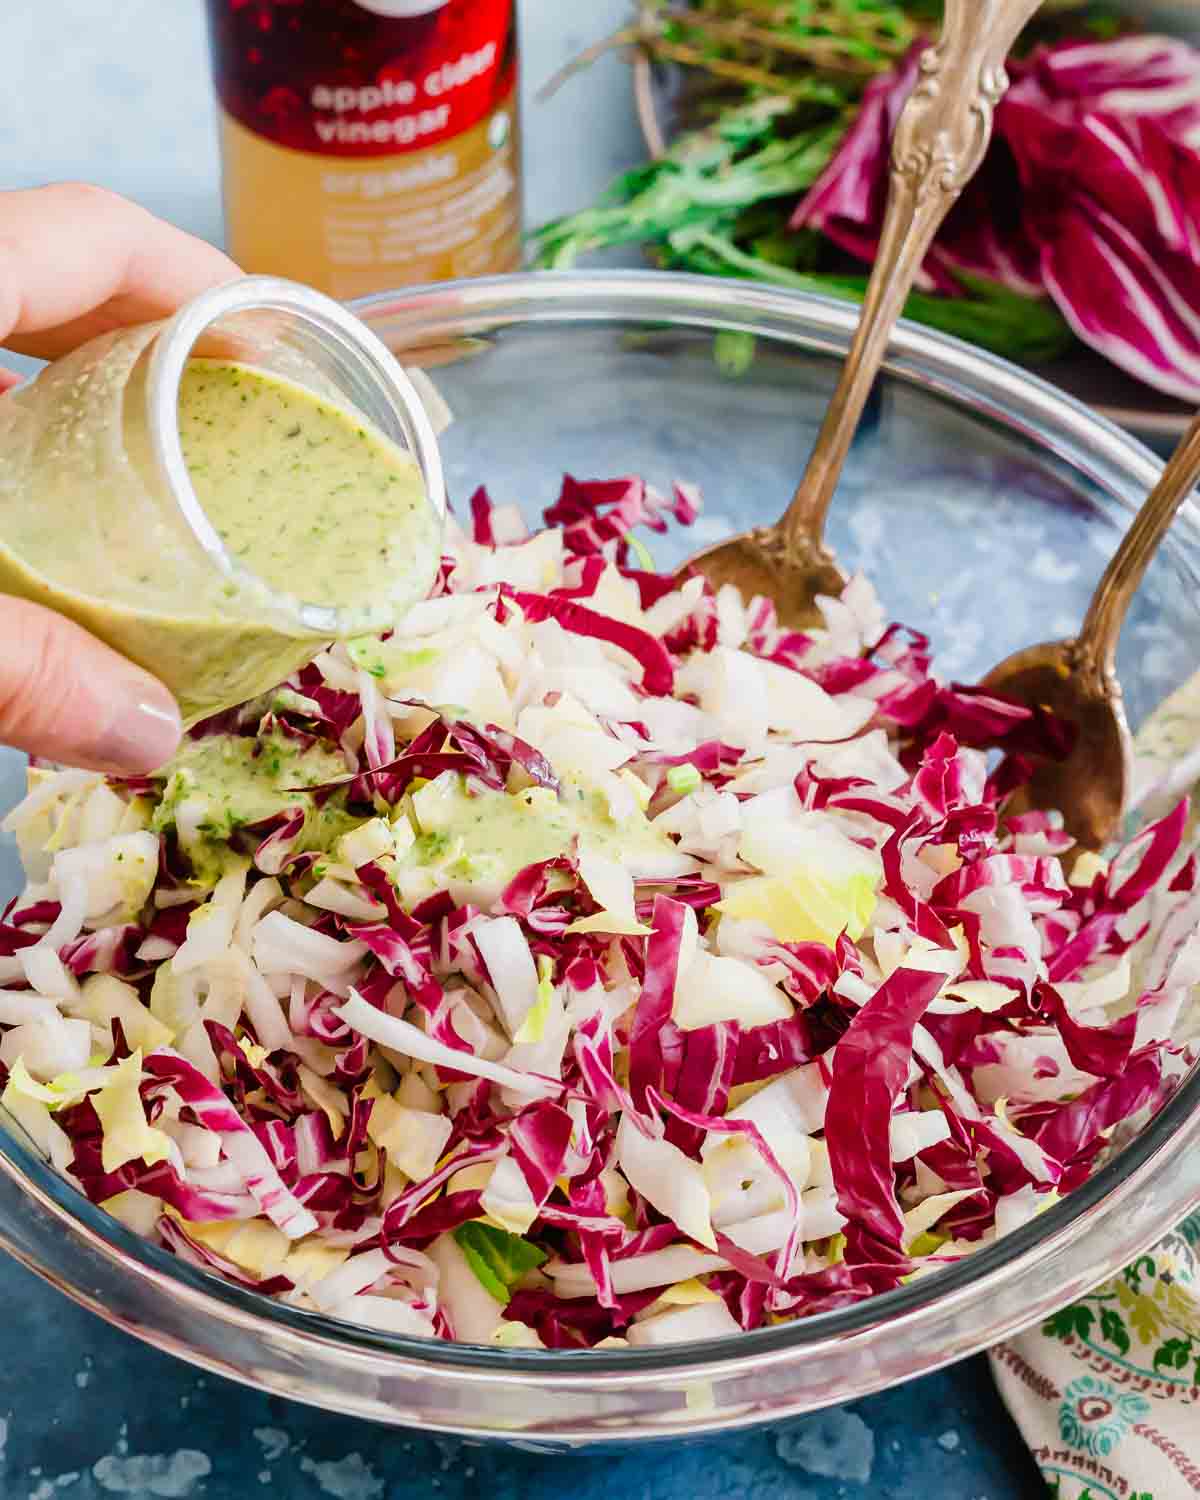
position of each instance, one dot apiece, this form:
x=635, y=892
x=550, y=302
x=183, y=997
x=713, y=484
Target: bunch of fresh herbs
x=768, y=90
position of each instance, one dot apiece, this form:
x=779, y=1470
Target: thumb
x=66, y=696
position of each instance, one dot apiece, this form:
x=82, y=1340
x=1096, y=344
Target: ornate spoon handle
x=939, y=142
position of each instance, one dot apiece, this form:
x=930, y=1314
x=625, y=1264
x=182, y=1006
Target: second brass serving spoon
x=1077, y=679
x=939, y=141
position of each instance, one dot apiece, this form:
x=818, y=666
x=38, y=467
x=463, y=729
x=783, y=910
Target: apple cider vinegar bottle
x=368, y=144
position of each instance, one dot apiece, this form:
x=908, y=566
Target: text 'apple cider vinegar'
x=368, y=144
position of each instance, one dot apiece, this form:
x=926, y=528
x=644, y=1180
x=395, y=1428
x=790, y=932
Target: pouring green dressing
x=315, y=522
x=302, y=492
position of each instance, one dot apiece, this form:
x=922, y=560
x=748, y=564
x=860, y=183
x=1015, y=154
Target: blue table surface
x=120, y=95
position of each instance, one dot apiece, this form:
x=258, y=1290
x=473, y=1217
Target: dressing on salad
x=219, y=784
x=475, y=841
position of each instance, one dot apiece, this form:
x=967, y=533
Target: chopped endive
x=414, y=1139
x=533, y=1027
x=683, y=1294
x=712, y=990
x=611, y=887
x=668, y=1179
x=255, y=1246
x=507, y=1199
x=516, y=1336
x=127, y=1136
x=32, y=1114
x=683, y=779
x=105, y=998
x=309, y=1261
x=802, y=907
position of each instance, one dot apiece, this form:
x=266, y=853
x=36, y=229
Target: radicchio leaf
x=870, y=1067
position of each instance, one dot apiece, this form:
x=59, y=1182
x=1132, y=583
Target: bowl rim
x=997, y=387
x=963, y=1281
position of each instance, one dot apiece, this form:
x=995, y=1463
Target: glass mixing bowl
x=984, y=504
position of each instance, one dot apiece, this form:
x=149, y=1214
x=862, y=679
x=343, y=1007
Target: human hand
x=75, y=262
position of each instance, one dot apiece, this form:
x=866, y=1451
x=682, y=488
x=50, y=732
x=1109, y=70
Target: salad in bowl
x=590, y=962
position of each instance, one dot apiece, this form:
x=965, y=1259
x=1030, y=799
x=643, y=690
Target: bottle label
x=351, y=228
x=369, y=143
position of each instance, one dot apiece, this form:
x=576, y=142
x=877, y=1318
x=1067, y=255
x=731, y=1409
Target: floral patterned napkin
x=1107, y=1391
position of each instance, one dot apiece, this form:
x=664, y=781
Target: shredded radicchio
x=1088, y=195
x=638, y=943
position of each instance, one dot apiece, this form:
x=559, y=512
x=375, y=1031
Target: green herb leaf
x=706, y=177
x=1029, y=329
x=498, y=1259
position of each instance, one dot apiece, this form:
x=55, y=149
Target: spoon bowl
x=1077, y=679
x=1091, y=785
x=759, y=562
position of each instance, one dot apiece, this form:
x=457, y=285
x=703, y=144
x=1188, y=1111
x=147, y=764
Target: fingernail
x=144, y=731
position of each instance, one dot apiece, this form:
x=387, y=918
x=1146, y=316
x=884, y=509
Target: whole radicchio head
x=1088, y=194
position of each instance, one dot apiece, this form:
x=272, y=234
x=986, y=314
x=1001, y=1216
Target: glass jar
x=99, y=519
x=368, y=142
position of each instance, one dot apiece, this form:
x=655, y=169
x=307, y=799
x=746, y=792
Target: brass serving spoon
x=940, y=139
x=1077, y=679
